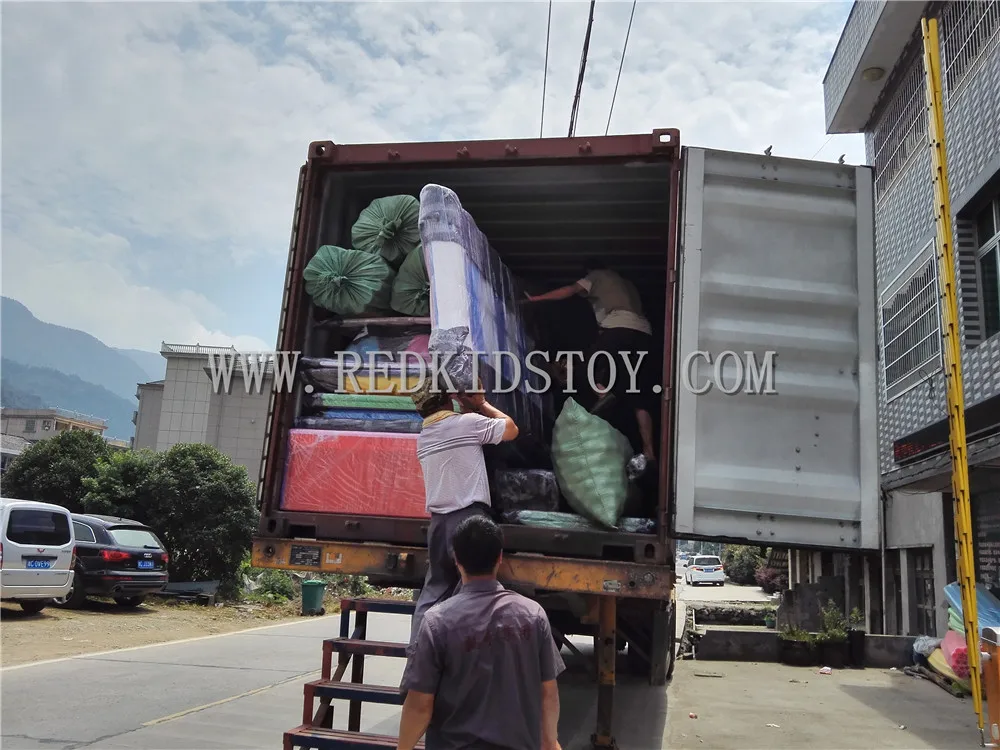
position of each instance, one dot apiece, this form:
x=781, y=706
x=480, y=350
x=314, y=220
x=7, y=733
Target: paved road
x=242, y=690
x=728, y=593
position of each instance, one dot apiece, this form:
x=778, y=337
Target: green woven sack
x=589, y=458
x=388, y=227
x=411, y=291
x=349, y=282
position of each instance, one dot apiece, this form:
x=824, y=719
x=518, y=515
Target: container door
x=776, y=435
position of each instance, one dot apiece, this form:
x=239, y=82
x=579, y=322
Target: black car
x=118, y=558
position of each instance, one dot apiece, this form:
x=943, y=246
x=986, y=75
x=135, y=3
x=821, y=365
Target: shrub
x=277, y=583
x=771, y=580
x=741, y=563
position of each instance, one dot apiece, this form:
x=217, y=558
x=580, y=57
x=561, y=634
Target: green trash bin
x=312, y=597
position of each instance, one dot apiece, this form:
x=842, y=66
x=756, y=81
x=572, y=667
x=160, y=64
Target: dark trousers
x=630, y=341
x=442, y=579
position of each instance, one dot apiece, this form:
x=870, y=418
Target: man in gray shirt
x=482, y=674
x=450, y=450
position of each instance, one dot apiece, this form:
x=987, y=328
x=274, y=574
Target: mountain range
x=46, y=365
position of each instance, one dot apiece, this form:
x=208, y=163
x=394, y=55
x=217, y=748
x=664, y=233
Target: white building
x=185, y=408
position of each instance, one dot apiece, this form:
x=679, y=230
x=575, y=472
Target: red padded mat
x=363, y=473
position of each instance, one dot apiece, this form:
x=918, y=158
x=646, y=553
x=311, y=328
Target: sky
x=150, y=151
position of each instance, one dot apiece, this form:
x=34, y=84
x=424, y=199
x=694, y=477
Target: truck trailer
x=756, y=272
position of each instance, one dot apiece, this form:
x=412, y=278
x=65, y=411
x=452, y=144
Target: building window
x=969, y=30
x=902, y=127
x=46, y=425
x=911, y=326
x=988, y=241
x=29, y=425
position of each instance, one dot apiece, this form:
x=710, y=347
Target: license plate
x=38, y=564
x=145, y=563
x=710, y=570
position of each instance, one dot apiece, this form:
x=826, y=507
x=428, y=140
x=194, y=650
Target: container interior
x=548, y=223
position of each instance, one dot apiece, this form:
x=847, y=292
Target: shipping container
x=735, y=255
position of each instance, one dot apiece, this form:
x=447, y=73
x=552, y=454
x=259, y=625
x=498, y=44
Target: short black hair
x=477, y=543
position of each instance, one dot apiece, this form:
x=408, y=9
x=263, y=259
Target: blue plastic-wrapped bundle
x=475, y=308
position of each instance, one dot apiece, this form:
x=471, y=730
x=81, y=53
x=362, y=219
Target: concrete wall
x=186, y=409
x=147, y=422
x=187, y=390
x=236, y=424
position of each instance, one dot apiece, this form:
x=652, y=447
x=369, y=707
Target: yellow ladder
x=952, y=346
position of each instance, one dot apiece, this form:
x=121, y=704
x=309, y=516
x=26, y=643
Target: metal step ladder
x=316, y=731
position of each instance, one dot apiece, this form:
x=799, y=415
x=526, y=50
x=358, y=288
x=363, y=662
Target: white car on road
x=704, y=569
x=37, y=551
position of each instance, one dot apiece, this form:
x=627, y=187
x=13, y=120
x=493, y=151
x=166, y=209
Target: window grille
x=902, y=127
x=911, y=327
x=969, y=30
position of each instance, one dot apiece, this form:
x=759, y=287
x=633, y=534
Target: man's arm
x=550, y=715
x=417, y=711
x=563, y=292
x=478, y=403
x=421, y=677
x=646, y=433
x=551, y=666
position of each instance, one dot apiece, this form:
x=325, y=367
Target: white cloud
x=178, y=128
x=103, y=300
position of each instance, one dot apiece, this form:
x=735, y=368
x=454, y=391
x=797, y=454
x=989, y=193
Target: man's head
x=428, y=401
x=477, y=543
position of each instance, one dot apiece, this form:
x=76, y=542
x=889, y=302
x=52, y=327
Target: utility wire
x=620, y=66
x=545, y=75
x=583, y=68
x=825, y=144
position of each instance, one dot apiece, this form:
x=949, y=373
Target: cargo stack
x=353, y=448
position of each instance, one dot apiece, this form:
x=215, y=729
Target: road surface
x=242, y=690
x=727, y=593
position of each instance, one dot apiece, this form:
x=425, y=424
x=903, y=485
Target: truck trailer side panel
x=776, y=261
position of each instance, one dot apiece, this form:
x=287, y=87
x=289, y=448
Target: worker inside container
x=626, y=335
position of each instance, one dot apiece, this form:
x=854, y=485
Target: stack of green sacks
x=383, y=272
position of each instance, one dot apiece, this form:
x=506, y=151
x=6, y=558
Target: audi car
x=117, y=558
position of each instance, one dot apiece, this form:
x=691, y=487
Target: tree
x=197, y=500
x=741, y=563
x=125, y=485
x=53, y=470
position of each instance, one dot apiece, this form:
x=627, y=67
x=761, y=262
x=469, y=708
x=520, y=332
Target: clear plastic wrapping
x=573, y=522
x=360, y=473
x=359, y=401
x=359, y=424
x=525, y=489
x=392, y=343
x=472, y=289
x=334, y=376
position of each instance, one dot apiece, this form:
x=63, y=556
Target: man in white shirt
x=450, y=450
x=623, y=328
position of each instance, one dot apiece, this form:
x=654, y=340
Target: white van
x=37, y=553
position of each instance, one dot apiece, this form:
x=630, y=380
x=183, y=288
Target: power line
x=583, y=68
x=825, y=143
x=620, y=66
x=545, y=75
